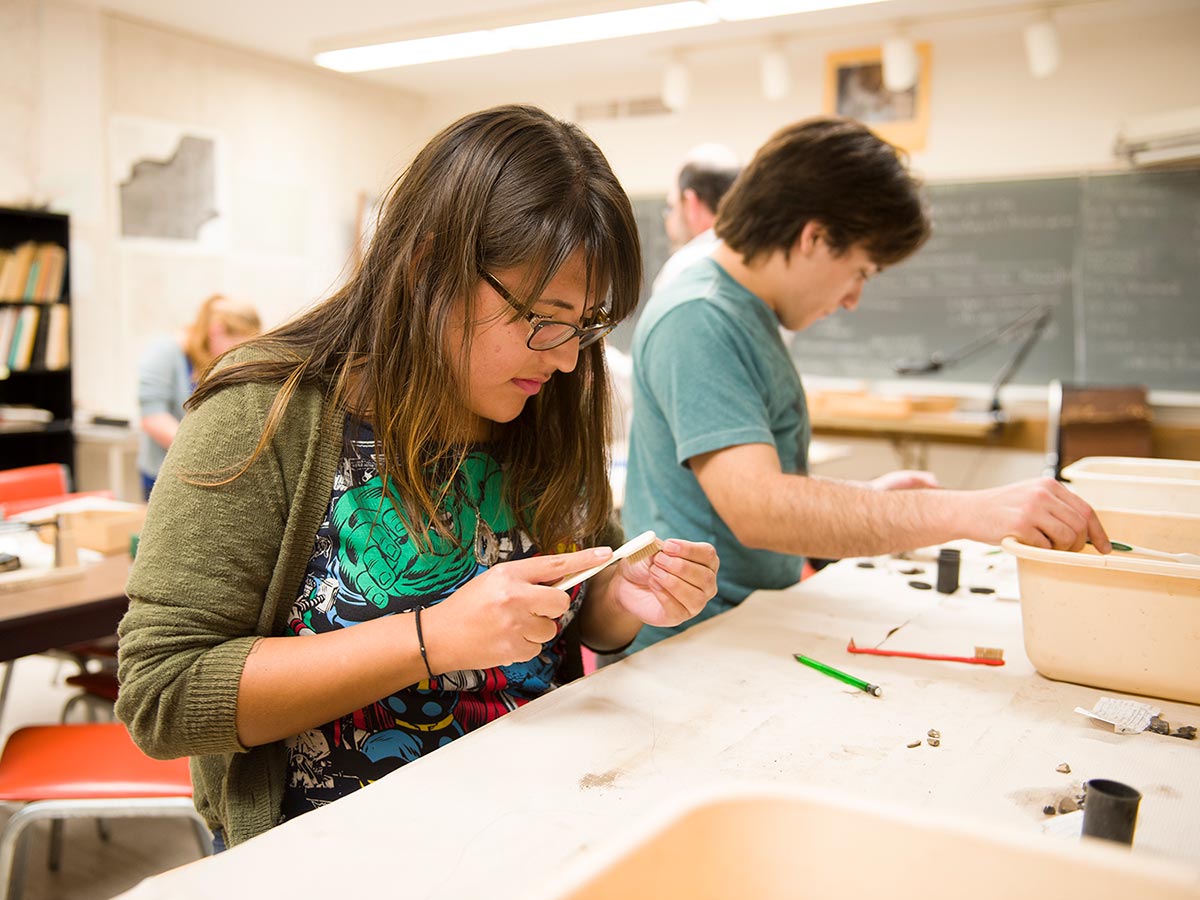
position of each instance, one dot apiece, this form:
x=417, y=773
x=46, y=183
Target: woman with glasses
x=348, y=560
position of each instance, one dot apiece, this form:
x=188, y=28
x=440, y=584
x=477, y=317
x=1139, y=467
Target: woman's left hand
x=671, y=586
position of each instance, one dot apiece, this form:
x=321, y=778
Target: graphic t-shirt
x=365, y=565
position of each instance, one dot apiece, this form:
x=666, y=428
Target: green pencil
x=872, y=689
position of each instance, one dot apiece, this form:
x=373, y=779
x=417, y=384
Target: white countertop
x=726, y=703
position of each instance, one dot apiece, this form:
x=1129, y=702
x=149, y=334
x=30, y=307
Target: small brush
x=641, y=547
x=1192, y=559
x=984, y=656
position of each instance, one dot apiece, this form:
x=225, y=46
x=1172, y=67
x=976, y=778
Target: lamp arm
x=1030, y=318
x=1036, y=327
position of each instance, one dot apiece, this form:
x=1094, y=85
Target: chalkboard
x=656, y=248
x=1115, y=258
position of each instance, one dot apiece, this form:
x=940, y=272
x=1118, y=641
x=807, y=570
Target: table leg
x=5, y=681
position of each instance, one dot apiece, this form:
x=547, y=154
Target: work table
x=727, y=703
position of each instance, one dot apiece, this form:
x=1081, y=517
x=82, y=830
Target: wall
x=302, y=144
x=989, y=119
x=299, y=144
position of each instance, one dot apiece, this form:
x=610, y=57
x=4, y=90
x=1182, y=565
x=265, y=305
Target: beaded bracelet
x=421, y=642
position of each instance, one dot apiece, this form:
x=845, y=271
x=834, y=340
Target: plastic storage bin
x=1121, y=622
x=1126, y=482
x=785, y=843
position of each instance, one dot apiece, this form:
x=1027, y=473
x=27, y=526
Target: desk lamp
x=1033, y=323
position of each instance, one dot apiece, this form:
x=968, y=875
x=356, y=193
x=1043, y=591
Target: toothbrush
x=984, y=656
x=1189, y=558
x=641, y=547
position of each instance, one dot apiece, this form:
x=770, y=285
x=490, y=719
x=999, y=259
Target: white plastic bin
x=1128, y=482
x=1120, y=622
x=789, y=843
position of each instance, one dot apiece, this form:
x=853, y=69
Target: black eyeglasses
x=546, y=333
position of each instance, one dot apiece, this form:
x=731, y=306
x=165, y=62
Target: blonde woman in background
x=172, y=365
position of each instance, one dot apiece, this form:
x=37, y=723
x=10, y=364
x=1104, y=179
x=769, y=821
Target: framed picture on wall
x=854, y=87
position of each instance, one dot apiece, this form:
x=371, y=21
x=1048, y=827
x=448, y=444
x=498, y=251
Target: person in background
x=718, y=450
x=350, y=556
x=170, y=367
x=706, y=174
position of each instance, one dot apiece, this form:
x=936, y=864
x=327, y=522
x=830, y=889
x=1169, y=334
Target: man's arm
x=767, y=509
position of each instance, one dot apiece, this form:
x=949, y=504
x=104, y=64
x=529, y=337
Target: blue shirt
x=710, y=371
x=165, y=381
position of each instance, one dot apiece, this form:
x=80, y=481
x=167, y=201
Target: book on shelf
x=31, y=277
x=16, y=271
x=8, y=327
x=23, y=418
x=20, y=354
x=14, y=342
x=58, y=338
x=52, y=261
x=32, y=271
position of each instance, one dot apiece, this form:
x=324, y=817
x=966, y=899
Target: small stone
x=934, y=733
x=1064, y=768
x=1048, y=810
x=1067, y=804
x=913, y=571
x=866, y=565
x=921, y=585
x=983, y=590
x=1159, y=726
x=1186, y=735
x=934, y=742
x=914, y=744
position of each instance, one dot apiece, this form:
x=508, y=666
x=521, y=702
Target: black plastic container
x=1110, y=810
x=947, y=573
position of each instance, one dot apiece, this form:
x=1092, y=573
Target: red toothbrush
x=984, y=656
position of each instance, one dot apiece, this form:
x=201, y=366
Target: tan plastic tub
x=1126, y=482
x=798, y=845
x=1119, y=622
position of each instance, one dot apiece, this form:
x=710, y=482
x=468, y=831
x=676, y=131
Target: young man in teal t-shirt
x=718, y=445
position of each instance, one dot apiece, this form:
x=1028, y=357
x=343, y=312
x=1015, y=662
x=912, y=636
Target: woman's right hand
x=505, y=614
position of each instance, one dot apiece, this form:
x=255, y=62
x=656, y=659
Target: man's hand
x=1040, y=512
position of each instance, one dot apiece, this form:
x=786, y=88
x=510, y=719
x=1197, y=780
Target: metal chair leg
x=203, y=835
x=15, y=833
x=54, y=856
x=12, y=853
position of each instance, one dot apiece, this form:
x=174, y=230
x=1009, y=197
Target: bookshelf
x=35, y=359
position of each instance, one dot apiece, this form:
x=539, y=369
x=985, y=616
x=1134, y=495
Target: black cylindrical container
x=947, y=574
x=1110, y=810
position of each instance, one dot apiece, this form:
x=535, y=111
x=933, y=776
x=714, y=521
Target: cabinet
x=35, y=339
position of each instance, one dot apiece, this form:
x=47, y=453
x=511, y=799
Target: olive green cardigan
x=218, y=568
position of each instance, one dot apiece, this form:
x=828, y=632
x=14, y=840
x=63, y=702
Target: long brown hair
x=506, y=187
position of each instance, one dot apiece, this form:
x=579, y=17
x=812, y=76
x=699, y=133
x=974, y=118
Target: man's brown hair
x=837, y=172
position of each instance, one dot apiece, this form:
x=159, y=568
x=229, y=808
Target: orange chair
x=30, y=482
x=32, y=487
x=79, y=771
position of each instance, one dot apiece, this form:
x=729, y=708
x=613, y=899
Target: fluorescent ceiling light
x=574, y=30
x=735, y=10
x=602, y=26
x=412, y=53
